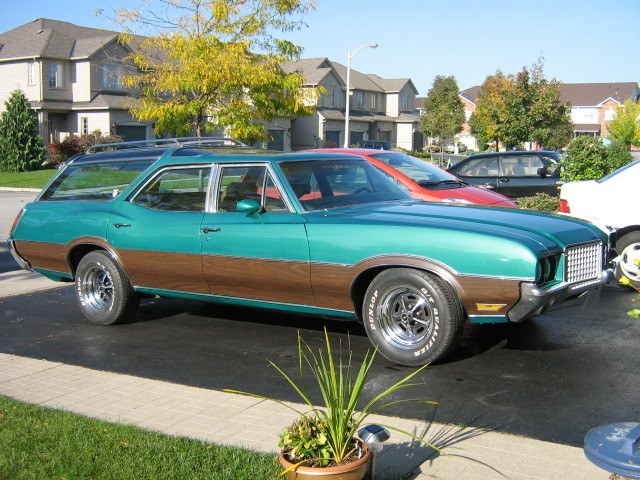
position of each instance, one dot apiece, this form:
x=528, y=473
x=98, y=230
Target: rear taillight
x=16, y=222
x=564, y=206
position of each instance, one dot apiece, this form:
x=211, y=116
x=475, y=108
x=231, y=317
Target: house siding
x=15, y=76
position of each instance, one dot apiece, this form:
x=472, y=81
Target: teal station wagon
x=313, y=233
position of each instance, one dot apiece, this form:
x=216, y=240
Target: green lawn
x=39, y=443
x=35, y=179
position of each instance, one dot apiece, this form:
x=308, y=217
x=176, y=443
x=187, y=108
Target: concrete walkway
x=226, y=418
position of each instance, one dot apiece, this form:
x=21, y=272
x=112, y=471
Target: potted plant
x=323, y=442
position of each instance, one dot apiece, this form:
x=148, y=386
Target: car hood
x=548, y=231
x=478, y=196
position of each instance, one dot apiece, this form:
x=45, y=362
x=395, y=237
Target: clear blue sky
x=580, y=40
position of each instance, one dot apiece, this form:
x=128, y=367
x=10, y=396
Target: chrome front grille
x=584, y=262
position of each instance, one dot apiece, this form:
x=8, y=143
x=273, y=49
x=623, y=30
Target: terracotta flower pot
x=355, y=470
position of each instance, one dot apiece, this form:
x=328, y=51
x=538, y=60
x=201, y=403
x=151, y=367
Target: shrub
x=60, y=151
x=20, y=143
x=330, y=145
x=588, y=158
x=617, y=155
x=540, y=201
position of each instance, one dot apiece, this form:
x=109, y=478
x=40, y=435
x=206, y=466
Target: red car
x=424, y=180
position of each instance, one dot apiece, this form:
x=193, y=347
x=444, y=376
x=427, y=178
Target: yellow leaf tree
x=212, y=65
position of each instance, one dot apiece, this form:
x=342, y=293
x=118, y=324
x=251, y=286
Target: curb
x=20, y=189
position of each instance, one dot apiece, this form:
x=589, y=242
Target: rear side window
x=176, y=189
x=94, y=182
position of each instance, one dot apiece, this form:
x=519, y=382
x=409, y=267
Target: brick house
x=381, y=109
x=593, y=105
x=72, y=76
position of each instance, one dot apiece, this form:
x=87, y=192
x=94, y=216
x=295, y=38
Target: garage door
x=131, y=132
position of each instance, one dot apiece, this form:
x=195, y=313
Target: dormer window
x=112, y=74
x=56, y=75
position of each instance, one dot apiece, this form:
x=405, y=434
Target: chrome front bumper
x=16, y=256
x=534, y=301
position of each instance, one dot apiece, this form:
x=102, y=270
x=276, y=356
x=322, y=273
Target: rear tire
x=412, y=317
x=628, y=248
x=105, y=295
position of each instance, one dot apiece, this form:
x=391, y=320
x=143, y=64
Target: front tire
x=412, y=317
x=628, y=248
x=104, y=292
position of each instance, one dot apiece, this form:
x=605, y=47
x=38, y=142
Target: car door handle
x=210, y=229
x=504, y=180
x=120, y=225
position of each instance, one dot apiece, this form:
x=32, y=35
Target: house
x=593, y=105
x=380, y=109
x=72, y=76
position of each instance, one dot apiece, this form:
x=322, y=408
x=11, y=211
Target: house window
x=84, y=125
x=404, y=106
x=373, y=101
x=56, y=75
x=33, y=73
x=609, y=114
x=112, y=76
x=360, y=99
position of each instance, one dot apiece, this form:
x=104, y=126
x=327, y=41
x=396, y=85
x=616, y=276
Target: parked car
x=451, y=147
x=425, y=181
x=311, y=233
x=611, y=202
x=375, y=144
x=514, y=174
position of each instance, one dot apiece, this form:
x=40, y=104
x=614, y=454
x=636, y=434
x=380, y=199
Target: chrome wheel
x=629, y=260
x=97, y=289
x=412, y=317
x=104, y=292
x=406, y=317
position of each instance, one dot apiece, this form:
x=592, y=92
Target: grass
x=36, y=179
x=38, y=442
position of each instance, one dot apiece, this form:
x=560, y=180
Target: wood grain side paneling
x=260, y=279
x=164, y=270
x=44, y=255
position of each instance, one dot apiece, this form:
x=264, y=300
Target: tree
x=524, y=107
x=626, y=126
x=485, y=122
x=21, y=146
x=443, y=115
x=214, y=64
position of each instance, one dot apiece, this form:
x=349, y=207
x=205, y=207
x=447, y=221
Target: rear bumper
x=534, y=301
x=14, y=253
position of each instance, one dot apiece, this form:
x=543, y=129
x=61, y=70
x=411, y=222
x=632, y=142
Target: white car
x=611, y=202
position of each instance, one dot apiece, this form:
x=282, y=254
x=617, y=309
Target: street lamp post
x=346, y=108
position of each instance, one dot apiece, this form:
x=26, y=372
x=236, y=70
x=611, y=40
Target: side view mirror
x=248, y=206
x=543, y=172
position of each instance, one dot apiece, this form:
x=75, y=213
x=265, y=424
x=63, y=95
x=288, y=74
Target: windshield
x=620, y=170
x=420, y=171
x=331, y=183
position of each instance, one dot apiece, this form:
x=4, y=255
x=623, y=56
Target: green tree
x=215, y=64
x=491, y=103
x=514, y=109
x=21, y=146
x=626, y=126
x=443, y=115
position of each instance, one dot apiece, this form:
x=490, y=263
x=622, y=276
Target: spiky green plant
x=341, y=384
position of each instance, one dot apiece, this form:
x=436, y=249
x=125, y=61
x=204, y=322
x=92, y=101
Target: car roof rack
x=211, y=142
